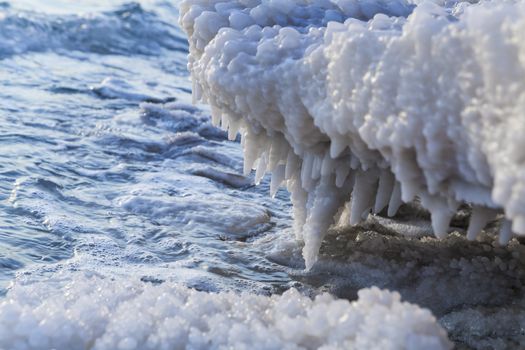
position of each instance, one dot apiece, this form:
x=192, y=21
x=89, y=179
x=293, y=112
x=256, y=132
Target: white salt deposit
x=361, y=104
x=88, y=312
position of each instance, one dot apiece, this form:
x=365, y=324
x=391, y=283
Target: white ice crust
x=367, y=104
x=89, y=312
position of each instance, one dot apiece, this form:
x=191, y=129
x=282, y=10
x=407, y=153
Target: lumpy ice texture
x=83, y=312
x=364, y=105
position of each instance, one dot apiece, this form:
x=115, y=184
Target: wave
x=357, y=115
x=125, y=31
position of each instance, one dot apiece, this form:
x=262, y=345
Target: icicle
x=441, y=213
x=441, y=222
x=362, y=196
x=261, y=169
x=277, y=179
x=336, y=147
x=233, y=129
x=243, y=138
x=316, y=167
x=327, y=165
x=478, y=220
x=278, y=150
x=341, y=173
x=298, y=197
x=395, y=200
x=248, y=165
x=254, y=147
x=355, y=163
x=262, y=147
x=292, y=164
x=216, y=115
x=327, y=199
x=225, y=121
x=274, y=154
x=408, y=191
x=384, y=190
x=505, y=232
x=250, y=155
x=197, y=92
x=306, y=170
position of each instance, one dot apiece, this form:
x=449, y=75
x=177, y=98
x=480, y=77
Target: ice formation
x=367, y=104
x=59, y=314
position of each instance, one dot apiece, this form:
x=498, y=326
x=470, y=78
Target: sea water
x=105, y=161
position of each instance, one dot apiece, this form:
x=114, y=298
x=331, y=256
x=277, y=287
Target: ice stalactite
x=368, y=104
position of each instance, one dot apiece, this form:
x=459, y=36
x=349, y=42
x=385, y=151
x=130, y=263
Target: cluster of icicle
x=365, y=104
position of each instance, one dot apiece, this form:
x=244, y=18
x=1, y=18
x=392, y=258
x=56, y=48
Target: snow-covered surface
x=89, y=312
x=371, y=103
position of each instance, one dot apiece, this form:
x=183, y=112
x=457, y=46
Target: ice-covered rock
x=364, y=104
x=60, y=314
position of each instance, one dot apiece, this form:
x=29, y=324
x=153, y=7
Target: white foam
x=60, y=314
x=112, y=87
x=432, y=91
x=196, y=202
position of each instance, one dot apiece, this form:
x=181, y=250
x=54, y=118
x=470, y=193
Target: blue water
x=106, y=165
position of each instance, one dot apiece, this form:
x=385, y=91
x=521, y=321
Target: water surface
x=106, y=165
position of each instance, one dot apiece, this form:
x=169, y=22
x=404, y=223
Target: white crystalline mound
x=401, y=99
x=97, y=313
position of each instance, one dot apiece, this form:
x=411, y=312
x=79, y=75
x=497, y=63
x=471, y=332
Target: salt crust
x=367, y=104
x=78, y=311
